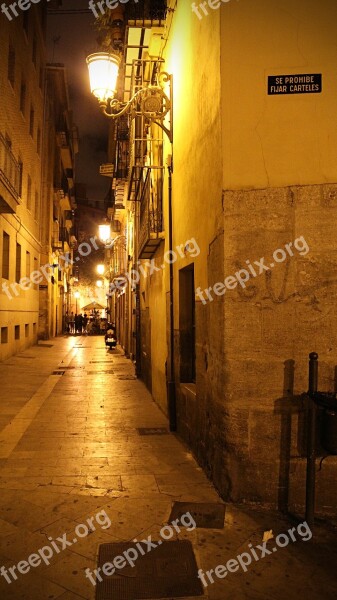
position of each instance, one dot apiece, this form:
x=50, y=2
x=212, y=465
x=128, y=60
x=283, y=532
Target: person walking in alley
x=80, y=323
x=67, y=323
x=72, y=323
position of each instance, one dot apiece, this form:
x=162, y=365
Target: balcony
x=64, y=235
x=57, y=244
x=151, y=217
x=10, y=179
x=148, y=12
x=64, y=144
x=61, y=236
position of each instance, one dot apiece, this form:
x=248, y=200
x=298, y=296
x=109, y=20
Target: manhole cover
x=58, y=372
x=152, y=431
x=167, y=571
x=206, y=515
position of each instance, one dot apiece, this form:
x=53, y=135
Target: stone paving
x=70, y=451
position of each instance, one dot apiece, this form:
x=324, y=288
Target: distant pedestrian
x=80, y=323
x=72, y=322
x=85, y=322
x=67, y=323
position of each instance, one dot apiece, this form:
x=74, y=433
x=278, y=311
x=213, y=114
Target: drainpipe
x=171, y=388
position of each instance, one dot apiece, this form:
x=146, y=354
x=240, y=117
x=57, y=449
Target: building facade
x=37, y=148
x=22, y=62
x=234, y=230
x=58, y=235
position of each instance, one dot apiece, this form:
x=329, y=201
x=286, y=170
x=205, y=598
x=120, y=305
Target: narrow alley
x=72, y=448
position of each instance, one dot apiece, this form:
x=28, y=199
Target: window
x=31, y=121
x=17, y=332
x=36, y=267
x=8, y=141
x=187, y=324
x=11, y=66
x=18, y=263
x=5, y=255
x=23, y=91
x=38, y=141
x=4, y=335
x=29, y=192
x=20, y=163
x=25, y=22
x=34, y=50
x=27, y=264
x=36, y=206
x=26, y=330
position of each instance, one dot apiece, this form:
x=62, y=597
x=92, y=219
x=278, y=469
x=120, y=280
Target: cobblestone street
x=71, y=447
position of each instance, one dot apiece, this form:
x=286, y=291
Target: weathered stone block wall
x=246, y=419
x=271, y=326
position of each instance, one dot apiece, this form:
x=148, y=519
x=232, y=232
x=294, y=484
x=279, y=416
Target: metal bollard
x=311, y=442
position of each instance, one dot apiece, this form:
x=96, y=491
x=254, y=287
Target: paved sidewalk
x=70, y=450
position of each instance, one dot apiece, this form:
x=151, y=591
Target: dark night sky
x=77, y=39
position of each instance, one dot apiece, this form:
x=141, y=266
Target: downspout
x=171, y=388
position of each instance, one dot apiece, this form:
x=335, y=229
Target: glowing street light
x=104, y=233
x=103, y=73
x=100, y=269
x=150, y=101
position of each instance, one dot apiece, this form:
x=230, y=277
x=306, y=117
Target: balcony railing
x=61, y=236
x=153, y=10
x=64, y=235
x=151, y=218
x=10, y=169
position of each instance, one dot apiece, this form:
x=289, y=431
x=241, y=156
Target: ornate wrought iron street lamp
x=151, y=102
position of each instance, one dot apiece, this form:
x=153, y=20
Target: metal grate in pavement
x=58, y=372
x=168, y=571
x=152, y=431
x=100, y=362
x=206, y=515
x=106, y=372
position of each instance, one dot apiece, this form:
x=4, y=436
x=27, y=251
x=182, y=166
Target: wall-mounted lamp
x=150, y=102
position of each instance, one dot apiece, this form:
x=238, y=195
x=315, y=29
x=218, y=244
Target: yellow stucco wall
x=284, y=139
x=251, y=173
x=23, y=227
x=193, y=57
